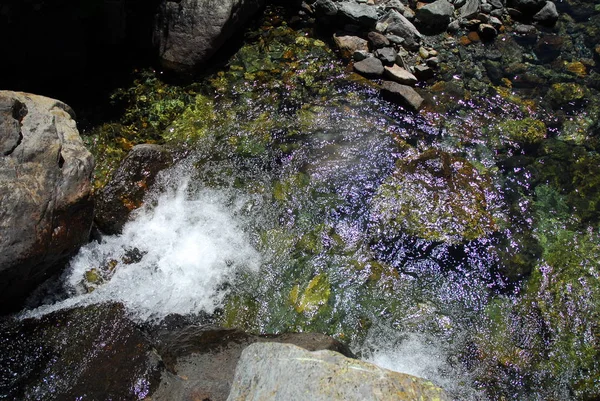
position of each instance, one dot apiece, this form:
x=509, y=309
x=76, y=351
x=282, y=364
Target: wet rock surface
x=126, y=189
x=515, y=113
x=45, y=192
x=93, y=352
x=402, y=94
x=98, y=352
x=437, y=197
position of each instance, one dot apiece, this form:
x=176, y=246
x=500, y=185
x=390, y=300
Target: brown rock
x=348, y=45
x=400, y=75
x=126, y=189
x=402, y=94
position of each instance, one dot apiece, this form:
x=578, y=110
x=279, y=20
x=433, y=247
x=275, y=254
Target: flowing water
x=458, y=244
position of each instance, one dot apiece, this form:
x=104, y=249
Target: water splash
x=175, y=257
x=419, y=355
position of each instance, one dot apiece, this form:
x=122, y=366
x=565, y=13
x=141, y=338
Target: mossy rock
x=285, y=189
x=551, y=333
x=435, y=196
x=195, y=123
x=315, y=295
x=526, y=131
x=240, y=312
x=569, y=93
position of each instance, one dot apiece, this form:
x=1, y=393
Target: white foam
x=191, y=245
x=418, y=355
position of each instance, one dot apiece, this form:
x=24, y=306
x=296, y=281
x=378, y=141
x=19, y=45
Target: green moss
x=109, y=143
x=551, y=331
x=526, y=131
x=315, y=295
x=285, y=189
x=195, y=123
x=561, y=94
x=240, y=312
x=151, y=105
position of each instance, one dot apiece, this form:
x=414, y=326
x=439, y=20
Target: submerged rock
x=189, y=32
x=435, y=196
x=551, y=334
x=125, y=191
x=45, y=192
x=271, y=371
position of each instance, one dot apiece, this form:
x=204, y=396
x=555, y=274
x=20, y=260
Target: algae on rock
x=435, y=196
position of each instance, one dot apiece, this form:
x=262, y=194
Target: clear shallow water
x=456, y=244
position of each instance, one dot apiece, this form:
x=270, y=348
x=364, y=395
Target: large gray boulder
x=189, y=32
x=359, y=14
x=435, y=17
x=46, y=207
x=282, y=372
x=396, y=24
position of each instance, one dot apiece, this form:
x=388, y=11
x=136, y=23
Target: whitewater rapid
x=189, y=246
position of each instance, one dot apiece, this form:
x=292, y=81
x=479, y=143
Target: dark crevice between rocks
x=18, y=111
x=10, y=151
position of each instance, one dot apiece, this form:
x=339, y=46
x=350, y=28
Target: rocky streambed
x=417, y=181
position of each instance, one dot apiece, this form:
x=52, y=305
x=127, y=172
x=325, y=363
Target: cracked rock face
x=45, y=192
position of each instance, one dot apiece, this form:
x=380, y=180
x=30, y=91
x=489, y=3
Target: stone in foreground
x=402, y=94
x=200, y=361
x=45, y=192
x=282, y=372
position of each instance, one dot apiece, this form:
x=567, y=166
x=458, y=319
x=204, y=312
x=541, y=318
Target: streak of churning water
x=188, y=247
x=420, y=355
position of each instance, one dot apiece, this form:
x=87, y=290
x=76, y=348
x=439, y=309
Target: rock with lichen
x=46, y=206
